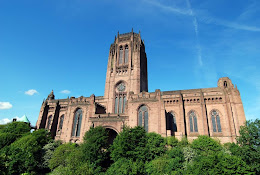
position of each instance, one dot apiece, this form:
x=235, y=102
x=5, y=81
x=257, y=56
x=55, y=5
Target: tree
x=205, y=145
x=126, y=166
x=155, y=145
x=249, y=142
x=47, y=152
x=60, y=154
x=130, y=144
x=25, y=154
x=95, y=147
x=18, y=128
x=7, y=139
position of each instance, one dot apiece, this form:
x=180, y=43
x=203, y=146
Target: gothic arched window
x=193, y=122
x=225, y=84
x=61, y=122
x=121, y=55
x=49, y=122
x=126, y=54
x=77, y=123
x=143, y=117
x=174, y=124
x=215, y=121
x=120, y=98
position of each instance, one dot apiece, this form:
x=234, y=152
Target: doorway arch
x=111, y=135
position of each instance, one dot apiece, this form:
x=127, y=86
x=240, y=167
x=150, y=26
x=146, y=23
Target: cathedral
x=217, y=112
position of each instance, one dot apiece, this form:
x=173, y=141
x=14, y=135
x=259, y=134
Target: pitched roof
x=24, y=119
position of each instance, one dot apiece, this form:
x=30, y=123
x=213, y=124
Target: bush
x=60, y=154
x=130, y=144
x=126, y=166
x=25, y=154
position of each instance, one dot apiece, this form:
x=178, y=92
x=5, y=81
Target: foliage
x=60, y=154
x=205, y=145
x=18, y=128
x=249, y=142
x=47, y=152
x=172, y=141
x=7, y=139
x=95, y=146
x=218, y=163
x=155, y=146
x=133, y=152
x=130, y=144
x=183, y=143
x=25, y=153
x=171, y=163
x=126, y=166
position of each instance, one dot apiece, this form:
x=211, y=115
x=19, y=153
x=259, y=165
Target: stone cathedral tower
x=126, y=70
x=217, y=112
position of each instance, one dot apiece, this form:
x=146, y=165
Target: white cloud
x=5, y=105
x=31, y=92
x=7, y=120
x=4, y=121
x=65, y=92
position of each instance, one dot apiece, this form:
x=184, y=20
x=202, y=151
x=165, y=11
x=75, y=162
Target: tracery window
x=120, y=98
x=61, y=122
x=121, y=55
x=77, y=123
x=143, y=117
x=49, y=122
x=215, y=121
x=193, y=122
x=126, y=54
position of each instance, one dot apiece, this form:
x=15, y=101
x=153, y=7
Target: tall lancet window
x=193, y=122
x=77, y=123
x=120, y=98
x=143, y=117
x=126, y=54
x=61, y=122
x=120, y=55
x=215, y=121
x=174, y=124
x=49, y=122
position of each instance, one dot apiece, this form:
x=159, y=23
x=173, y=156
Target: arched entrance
x=111, y=135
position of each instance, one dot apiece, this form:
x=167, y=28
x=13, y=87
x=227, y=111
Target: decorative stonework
x=126, y=93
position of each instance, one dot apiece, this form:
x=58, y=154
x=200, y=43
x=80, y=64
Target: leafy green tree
x=18, y=128
x=60, y=154
x=126, y=166
x=183, y=143
x=95, y=147
x=155, y=145
x=205, y=145
x=47, y=152
x=249, y=142
x=130, y=144
x=7, y=139
x=12, y=131
x=172, y=141
x=25, y=154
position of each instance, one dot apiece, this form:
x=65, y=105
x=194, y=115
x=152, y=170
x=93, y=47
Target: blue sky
x=63, y=45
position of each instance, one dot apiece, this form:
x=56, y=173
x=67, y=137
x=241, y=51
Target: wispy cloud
x=195, y=24
x=65, y=92
x=211, y=20
x=203, y=17
x=5, y=105
x=168, y=8
x=31, y=92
